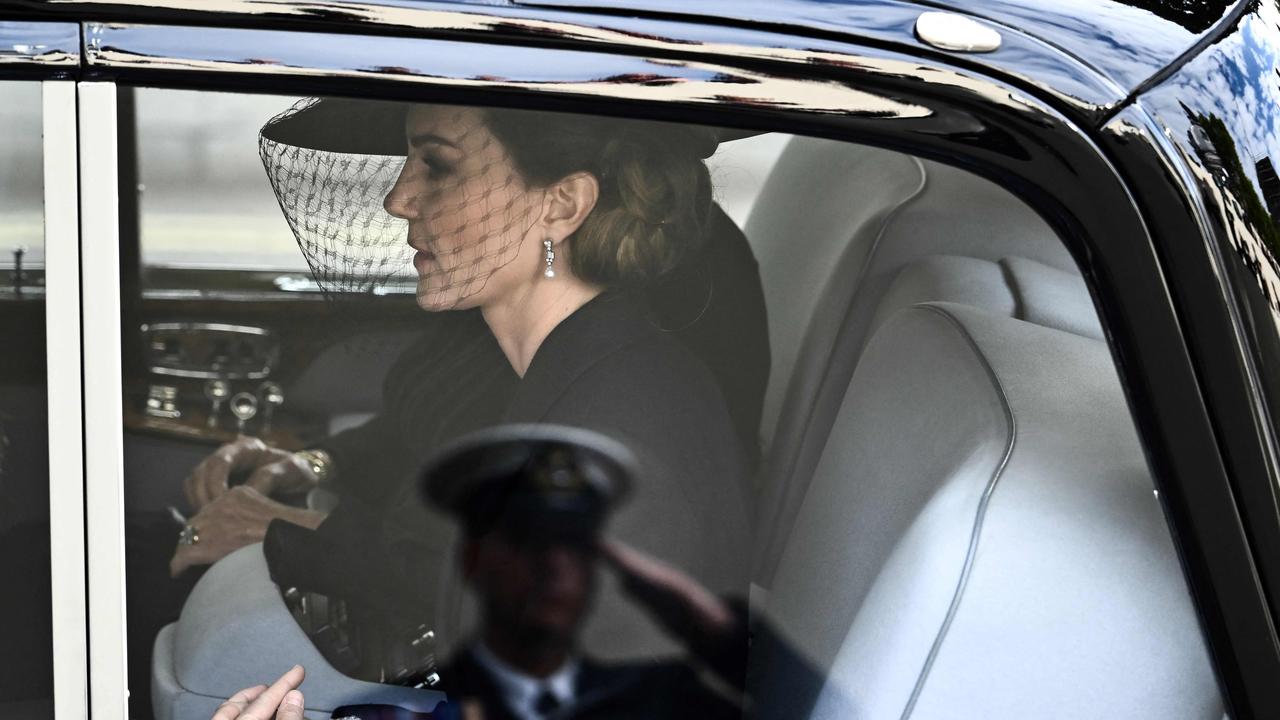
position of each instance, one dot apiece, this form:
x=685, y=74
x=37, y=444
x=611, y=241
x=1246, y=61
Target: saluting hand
x=681, y=604
x=705, y=624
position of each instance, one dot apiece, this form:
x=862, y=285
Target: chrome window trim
x=215, y=327
x=353, y=57
x=40, y=44
x=148, y=329
x=247, y=296
x=103, y=403
x=68, y=611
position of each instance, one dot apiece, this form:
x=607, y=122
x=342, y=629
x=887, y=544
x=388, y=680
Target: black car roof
x=1089, y=54
x=1125, y=41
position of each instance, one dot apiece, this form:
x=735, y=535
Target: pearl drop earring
x=551, y=258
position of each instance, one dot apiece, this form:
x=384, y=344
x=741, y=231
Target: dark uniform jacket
x=624, y=691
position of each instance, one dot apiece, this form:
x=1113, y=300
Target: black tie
x=546, y=702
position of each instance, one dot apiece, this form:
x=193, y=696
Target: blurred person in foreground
x=533, y=502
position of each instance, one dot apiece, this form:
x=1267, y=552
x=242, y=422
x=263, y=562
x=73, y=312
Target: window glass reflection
x=26, y=680
x=20, y=174
x=203, y=196
x=569, y=407
x=1236, y=146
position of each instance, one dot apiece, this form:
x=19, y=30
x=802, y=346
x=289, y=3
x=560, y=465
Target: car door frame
x=889, y=94
x=49, y=53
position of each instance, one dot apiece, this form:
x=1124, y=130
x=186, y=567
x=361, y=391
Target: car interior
x=961, y=516
x=953, y=512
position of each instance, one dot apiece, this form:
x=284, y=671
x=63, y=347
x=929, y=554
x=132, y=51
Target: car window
x=860, y=401
x=26, y=672
x=204, y=198
x=21, y=174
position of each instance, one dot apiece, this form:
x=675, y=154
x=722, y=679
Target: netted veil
x=332, y=199
x=337, y=165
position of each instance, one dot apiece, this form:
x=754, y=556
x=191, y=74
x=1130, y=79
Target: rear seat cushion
x=1013, y=287
x=981, y=538
x=920, y=428
x=1051, y=297
x=831, y=313
x=948, y=278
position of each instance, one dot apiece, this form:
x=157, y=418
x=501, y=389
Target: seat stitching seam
x=976, y=533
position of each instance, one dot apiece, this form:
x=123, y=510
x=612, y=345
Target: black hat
x=376, y=127
x=341, y=125
x=536, y=482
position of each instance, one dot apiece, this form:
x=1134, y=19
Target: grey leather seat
x=833, y=227
x=1013, y=287
x=956, y=516
x=981, y=537
x=235, y=607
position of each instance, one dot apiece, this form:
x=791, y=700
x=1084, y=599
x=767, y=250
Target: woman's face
x=468, y=209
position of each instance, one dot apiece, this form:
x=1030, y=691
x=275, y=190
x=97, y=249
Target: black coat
x=678, y=374
x=607, y=367
x=455, y=378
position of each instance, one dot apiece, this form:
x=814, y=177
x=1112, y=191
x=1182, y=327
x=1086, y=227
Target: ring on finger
x=189, y=535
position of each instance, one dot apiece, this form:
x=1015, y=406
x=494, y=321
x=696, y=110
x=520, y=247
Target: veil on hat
x=331, y=164
x=331, y=189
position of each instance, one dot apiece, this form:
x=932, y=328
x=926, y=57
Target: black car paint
x=1124, y=41
x=1074, y=58
x=52, y=47
x=1158, y=225
x=1190, y=147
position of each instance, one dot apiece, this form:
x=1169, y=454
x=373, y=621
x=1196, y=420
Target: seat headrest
x=1051, y=297
x=1014, y=287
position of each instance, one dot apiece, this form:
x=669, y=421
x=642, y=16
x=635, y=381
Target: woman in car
x=543, y=237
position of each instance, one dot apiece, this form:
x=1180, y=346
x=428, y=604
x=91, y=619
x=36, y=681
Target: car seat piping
x=784, y=493
x=976, y=534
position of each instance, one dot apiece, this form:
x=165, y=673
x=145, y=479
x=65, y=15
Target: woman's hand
x=281, y=701
x=274, y=471
x=236, y=518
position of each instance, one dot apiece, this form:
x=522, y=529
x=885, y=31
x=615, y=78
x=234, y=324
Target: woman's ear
x=567, y=204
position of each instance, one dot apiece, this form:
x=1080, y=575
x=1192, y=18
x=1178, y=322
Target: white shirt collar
x=520, y=690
